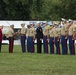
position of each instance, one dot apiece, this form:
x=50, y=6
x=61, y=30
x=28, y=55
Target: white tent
x=17, y=24
x=4, y=23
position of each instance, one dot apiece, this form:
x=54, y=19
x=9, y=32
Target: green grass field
x=19, y=63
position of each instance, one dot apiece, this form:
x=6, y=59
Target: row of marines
x=52, y=35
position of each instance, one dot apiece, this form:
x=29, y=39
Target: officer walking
x=23, y=37
x=1, y=27
x=11, y=38
x=64, y=33
x=45, y=37
x=71, y=37
x=39, y=36
x=51, y=40
x=57, y=37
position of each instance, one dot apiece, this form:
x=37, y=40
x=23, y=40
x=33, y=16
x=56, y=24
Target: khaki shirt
x=72, y=29
x=51, y=32
x=45, y=31
x=64, y=29
x=10, y=32
x=23, y=30
x=32, y=32
x=57, y=32
x=28, y=32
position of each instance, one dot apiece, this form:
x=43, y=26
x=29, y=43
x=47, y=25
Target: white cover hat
x=55, y=23
x=23, y=23
x=11, y=24
x=44, y=22
x=70, y=20
x=37, y=22
x=63, y=19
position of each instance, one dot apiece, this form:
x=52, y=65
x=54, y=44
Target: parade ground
x=18, y=63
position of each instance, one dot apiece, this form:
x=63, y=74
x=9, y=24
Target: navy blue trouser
x=23, y=38
x=64, y=45
x=45, y=44
x=51, y=43
x=71, y=45
x=28, y=44
x=57, y=44
x=31, y=44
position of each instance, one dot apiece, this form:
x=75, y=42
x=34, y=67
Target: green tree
x=37, y=9
x=68, y=9
x=3, y=13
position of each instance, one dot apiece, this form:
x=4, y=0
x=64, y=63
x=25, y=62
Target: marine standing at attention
x=64, y=37
x=57, y=37
x=28, y=38
x=23, y=37
x=71, y=37
x=51, y=40
x=32, y=33
x=45, y=37
x=11, y=38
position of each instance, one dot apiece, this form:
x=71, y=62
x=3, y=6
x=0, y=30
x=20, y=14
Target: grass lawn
x=19, y=63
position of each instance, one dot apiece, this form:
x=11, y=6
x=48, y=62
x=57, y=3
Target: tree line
x=37, y=9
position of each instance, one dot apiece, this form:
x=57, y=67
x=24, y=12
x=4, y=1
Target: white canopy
x=17, y=24
x=4, y=23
